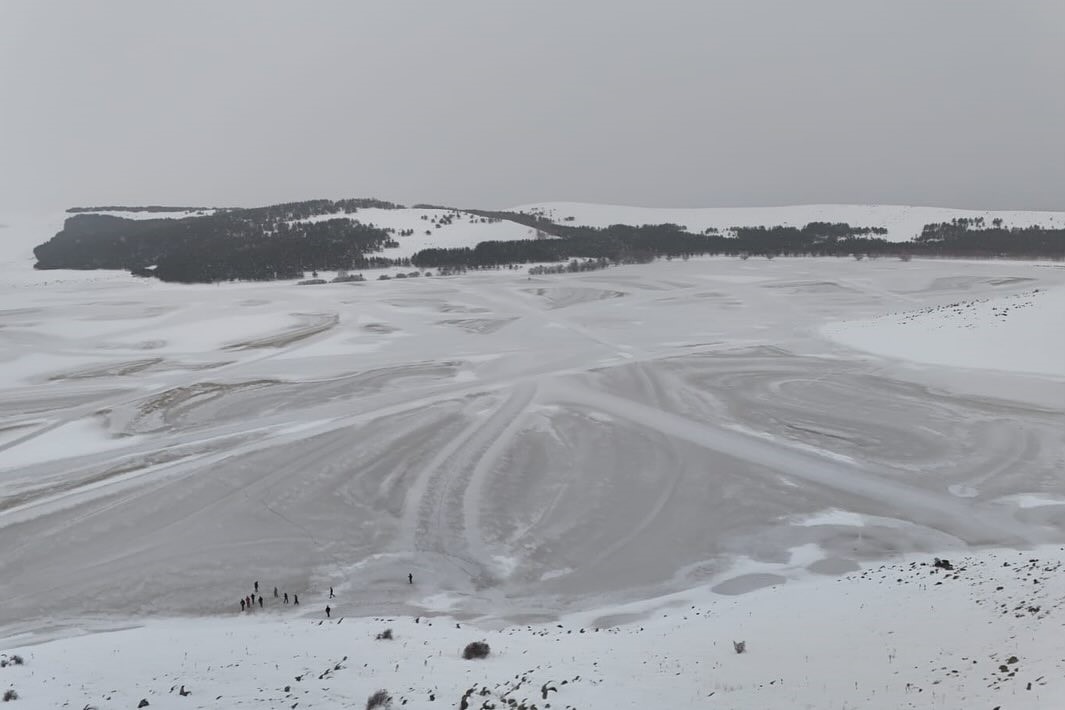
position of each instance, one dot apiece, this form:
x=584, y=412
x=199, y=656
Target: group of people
x=248, y=603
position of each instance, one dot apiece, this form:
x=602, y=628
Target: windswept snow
x=902, y=222
x=1019, y=332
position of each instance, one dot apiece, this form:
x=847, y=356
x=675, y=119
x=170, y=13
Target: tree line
x=275, y=242
x=635, y=244
x=255, y=244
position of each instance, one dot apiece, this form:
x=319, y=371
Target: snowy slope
x=983, y=634
x=902, y=222
x=434, y=228
x=145, y=214
x=1021, y=332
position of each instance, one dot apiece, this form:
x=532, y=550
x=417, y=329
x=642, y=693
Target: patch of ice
x=78, y=438
x=831, y=516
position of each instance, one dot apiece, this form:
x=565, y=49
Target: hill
x=284, y=241
x=901, y=222
x=274, y=242
x=854, y=644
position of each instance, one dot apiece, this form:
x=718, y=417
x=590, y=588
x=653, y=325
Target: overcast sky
x=495, y=103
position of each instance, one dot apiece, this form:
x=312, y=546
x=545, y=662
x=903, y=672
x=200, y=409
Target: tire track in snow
x=435, y=513
x=978, y=525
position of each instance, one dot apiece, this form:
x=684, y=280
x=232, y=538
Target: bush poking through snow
x=740, y=646
x=476, y=649
x=380, y=699
x=385, y=635
x=15, y=660
x=10, y=695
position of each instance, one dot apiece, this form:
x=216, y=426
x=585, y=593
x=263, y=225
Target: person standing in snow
x=260, y=601
x=286, y=597
x=256, y=587
x=296, y=599
x=242, y=605
x=327, y=610
x=330, y=592
x=275, y=592
x=410, y=578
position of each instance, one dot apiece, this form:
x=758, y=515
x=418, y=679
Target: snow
x=465, y=229
x=79, y=438
x=902, y=222
x=833, y=517
x=166, y=214
x=597, y=450
x=893, y=636
x=1012, y=333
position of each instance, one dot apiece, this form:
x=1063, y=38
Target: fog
x=493, y=104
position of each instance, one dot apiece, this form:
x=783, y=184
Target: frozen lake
x=526, y=447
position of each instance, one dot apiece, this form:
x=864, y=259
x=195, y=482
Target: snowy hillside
x=902, y=222
x=999, y=333
x=980, y=631
x=434, y=228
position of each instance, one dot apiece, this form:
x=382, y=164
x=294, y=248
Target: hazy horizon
x=481, y=104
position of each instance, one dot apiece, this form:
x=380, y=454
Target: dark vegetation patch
x=476, y=649
x=266, y=243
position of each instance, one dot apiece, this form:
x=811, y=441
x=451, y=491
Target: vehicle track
x=973, y=523
x=437, y=511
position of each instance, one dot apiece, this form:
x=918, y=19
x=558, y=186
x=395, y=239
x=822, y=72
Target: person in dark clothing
x=286, y=597
x=410, y=578
x=330, y=592
x=256, y=587
x=260, y=601
x=275, y=592
x=327, y=610
x=296, y=599
x=242, y=605
x=248, y=599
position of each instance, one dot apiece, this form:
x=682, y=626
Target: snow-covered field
x=1018, y=332
x=681, y=454
x=901, y=635
x=434, y=228
x=901, y=221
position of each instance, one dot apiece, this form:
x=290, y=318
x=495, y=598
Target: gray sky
x=495, y=103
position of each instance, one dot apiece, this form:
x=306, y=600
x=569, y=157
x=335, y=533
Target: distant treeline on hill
x=271, y=242
x=628, y=244
x=303, y=209
x=144, y=208
x=261, y=243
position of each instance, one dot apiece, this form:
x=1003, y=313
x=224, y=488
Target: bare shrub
x=476, y=649
x=10, y=695
x=385, y=635
x=740, y=646
x=380, y=699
